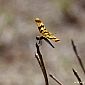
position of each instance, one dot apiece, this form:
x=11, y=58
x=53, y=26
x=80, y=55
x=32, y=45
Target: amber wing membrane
x=45, y=33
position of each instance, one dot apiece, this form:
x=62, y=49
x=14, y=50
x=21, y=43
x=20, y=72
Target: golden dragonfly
x=44, y=32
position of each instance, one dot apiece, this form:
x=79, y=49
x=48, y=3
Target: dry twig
x=78, y=57
x=41, y=63
x=55, y=79
x=77, y=76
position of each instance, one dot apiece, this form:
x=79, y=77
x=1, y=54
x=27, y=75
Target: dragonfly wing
x=45, y=33
x=52, y=37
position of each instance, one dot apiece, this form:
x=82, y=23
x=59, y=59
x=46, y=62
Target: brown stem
x=41, y=63
x=77, y=76
x=55, y=79
x=78, y=57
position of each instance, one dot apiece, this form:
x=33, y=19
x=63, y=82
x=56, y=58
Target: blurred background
x=18, y=31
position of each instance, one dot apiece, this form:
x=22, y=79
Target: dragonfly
x=44, y=32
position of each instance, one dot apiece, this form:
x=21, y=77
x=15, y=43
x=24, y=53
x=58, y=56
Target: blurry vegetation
x=8, y=18
x=17, y=40
x=63, y=4
x=65, y=7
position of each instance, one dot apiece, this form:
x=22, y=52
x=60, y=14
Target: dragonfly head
x=38, y=22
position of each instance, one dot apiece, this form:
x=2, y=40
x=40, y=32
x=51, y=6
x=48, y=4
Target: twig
x=55, y=79
x=77, y=76
x=41, y=63
x=78, y=57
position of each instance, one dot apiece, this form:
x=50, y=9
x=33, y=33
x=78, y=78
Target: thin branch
x=78, y=57
x=41, y=63
x=77, y=76
x=55, y=79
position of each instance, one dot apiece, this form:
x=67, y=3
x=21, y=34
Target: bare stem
x=77, y=76
x=41, y=63
x=55, y=79
x=78, y=57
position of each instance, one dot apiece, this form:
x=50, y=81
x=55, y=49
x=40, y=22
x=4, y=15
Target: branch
x=78, y=57
x=55, y=79
x=41, y=63
x=77, y=76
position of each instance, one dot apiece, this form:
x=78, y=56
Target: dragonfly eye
x=37, y=20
